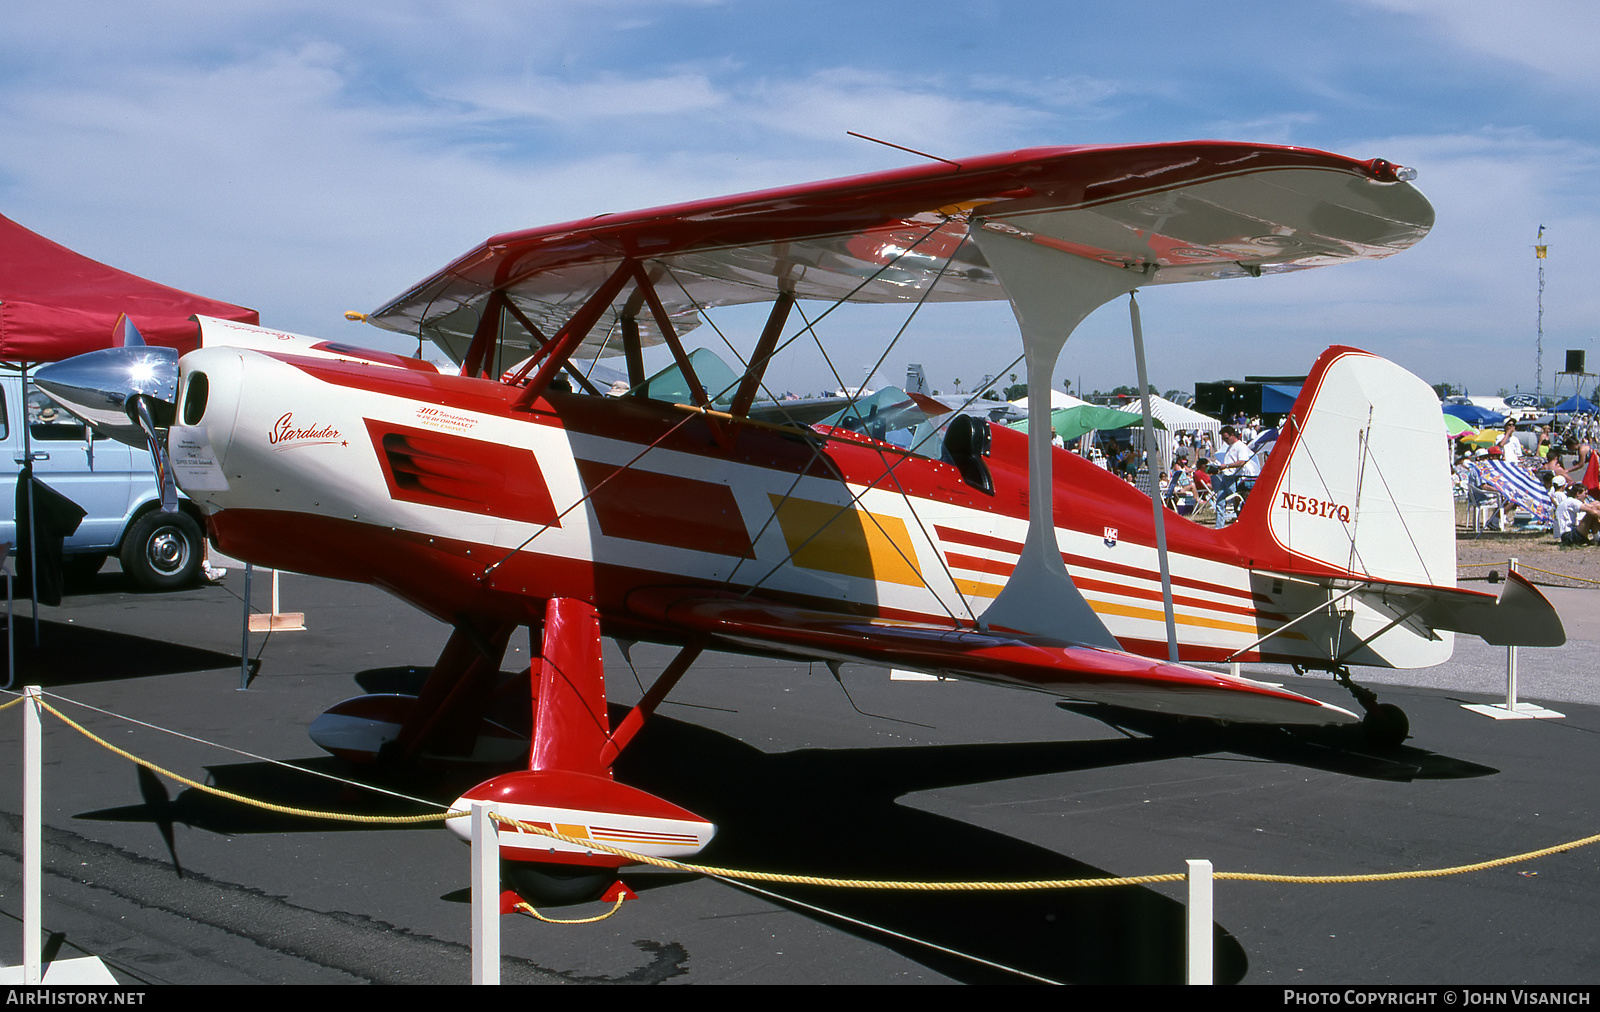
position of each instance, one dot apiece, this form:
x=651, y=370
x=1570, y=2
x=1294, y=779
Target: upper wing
x=1199, y=209
x=1078, y=672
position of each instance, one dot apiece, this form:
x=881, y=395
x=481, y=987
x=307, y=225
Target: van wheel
x=162, y=551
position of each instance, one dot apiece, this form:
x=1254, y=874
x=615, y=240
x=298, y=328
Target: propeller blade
x=158, y=455
x=124, y=334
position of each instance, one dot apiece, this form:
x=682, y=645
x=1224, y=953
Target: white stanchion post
x=32, y=837
x=244, y=634
x=1199, y=924
x=1511, y=658
x=485, y=895
x=1511, y=709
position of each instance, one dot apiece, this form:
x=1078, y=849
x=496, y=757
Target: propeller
x=128, y=392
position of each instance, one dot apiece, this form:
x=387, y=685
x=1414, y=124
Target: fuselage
x=440, y=489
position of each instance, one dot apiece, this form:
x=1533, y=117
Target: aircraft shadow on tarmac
x=834, y=813
x=70, y=654
x=1333, y=750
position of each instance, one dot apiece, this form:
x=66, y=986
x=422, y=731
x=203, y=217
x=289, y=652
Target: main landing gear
x=566, y=787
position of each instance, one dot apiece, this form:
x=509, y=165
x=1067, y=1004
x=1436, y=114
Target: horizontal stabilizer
x=1520, y=617
x=1081, y=672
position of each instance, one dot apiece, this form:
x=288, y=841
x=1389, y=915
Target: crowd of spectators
x=1564, y=465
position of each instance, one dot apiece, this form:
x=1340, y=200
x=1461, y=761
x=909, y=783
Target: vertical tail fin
x=1359, y=481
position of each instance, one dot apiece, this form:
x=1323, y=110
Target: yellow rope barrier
x=1523, y=567
x=813, y=880
x=269, y=806
x=1081, y=883
x=527, y=908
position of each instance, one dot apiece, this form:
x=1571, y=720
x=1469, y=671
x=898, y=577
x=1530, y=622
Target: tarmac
x=867, y=777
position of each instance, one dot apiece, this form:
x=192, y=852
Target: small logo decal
x=286, y=435
x=1111, y=537
x=440, y=419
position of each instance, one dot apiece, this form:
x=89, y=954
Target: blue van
x=112, y=481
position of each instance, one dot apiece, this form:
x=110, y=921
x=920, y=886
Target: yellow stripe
x=1131, y=611
x=853, y=542
x=973, y=588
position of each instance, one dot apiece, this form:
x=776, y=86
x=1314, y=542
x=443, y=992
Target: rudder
x=1359, y=481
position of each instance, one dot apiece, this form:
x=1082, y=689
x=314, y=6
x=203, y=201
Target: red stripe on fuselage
x=665, y=509
x=1080, y=562
x=459, y=473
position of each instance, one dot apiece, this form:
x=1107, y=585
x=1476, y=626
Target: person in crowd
x=1230, y=464
x=1577, y=516
x=1182, y=484
x=1581, y=463
x=1510, y=446
x=1482, y=496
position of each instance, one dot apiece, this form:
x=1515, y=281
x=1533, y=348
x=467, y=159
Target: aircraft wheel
x=162, y=551
x=1386, y=726
x=556, y=885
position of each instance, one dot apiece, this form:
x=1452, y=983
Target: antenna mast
x=1538, y=353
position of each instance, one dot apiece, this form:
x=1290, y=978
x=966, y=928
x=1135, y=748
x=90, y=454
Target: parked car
x=111, y=481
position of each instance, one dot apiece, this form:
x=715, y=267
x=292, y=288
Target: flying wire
x=779, y=897
x=888, y=469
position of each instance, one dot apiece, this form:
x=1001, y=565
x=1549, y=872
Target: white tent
x=1175, y=417
x=1179, y=419
x=1058, y=399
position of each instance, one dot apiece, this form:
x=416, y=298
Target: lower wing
x=1092, y=674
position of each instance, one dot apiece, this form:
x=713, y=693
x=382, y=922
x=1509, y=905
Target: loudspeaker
x=1575, y=361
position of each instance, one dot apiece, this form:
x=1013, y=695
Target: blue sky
x=308, y=158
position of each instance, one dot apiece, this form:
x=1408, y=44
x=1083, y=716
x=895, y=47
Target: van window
x=48, y=420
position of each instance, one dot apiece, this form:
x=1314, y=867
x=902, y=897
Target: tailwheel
x=1384, y=725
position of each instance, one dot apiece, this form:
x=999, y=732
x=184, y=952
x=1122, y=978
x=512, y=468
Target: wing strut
x=762, y=355
x=556, y=353
x=485, y=337
x=1051, y=292
x=647, y=288
x=1150, y=469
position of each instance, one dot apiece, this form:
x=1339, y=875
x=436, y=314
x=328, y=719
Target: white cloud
x=599, y=99
x=925, y=114
x=1552, y=38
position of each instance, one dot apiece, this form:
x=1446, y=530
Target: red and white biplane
x=691, y=512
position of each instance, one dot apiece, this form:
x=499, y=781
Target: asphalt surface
x=905, y=779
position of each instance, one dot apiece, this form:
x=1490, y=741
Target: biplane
x=692, y=511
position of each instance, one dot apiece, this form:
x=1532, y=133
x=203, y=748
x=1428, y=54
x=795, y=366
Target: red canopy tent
x=55, y=303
